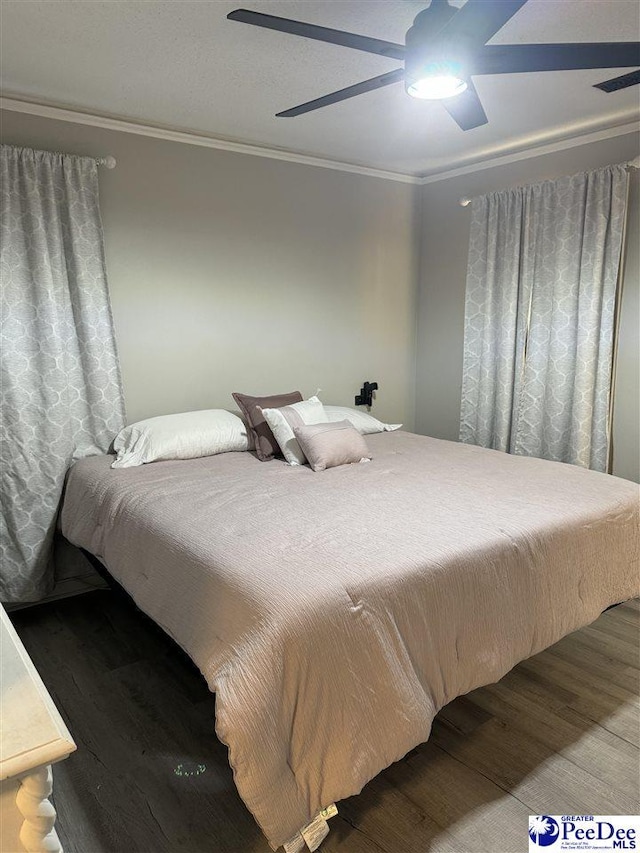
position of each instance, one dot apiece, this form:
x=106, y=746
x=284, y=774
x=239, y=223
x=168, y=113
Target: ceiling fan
x=446, y=47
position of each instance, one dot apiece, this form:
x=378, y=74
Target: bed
x=335, y=613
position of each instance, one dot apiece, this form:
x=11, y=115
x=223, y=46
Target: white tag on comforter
x=330, y=811
x=295, y=844
x=315, y=832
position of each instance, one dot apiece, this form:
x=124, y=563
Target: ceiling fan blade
x=342, y=95
x=466, y=109
x=516, y=58
x=311, y=31
x=478, y=20
x=617, y=83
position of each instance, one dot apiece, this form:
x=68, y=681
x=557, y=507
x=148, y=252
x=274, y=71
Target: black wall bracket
x=365, y=397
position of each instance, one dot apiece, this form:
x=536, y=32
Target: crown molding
x=522, y=149
x=528, y=150
x=123, y=126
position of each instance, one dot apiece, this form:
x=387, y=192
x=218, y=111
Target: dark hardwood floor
x=559, y=734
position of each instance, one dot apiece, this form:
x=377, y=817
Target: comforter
x=335, y=613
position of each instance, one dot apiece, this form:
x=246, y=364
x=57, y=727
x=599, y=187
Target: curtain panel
x=61, y=387
x=542, y=282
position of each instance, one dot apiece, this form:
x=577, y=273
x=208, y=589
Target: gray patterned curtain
x=539, y=318
x=61, y=388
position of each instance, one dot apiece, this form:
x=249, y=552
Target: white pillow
x=365, y=424
x=183, y=436
x=283, y=420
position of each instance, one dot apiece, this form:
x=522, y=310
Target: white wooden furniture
x=32, y=738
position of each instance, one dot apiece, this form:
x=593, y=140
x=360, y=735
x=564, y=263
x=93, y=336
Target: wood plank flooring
x=559, y=734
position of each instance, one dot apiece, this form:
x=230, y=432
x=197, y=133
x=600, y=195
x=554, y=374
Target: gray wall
x=443, y=267
x=231, y=272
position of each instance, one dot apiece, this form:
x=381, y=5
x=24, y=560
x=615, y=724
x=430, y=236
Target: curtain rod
x=632, y=164
x=109, y=162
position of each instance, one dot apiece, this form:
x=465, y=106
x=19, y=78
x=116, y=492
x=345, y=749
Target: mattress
x=335, y=613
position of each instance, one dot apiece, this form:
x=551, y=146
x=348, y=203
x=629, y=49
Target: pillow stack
x=252, y=407
x=281, y=424
x=306, y=431
x=285, y=420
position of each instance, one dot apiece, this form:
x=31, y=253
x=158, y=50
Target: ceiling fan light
x=436, y=86
x=434, y=80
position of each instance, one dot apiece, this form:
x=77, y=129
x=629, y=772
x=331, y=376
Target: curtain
x=540, y=309
x=61, y=388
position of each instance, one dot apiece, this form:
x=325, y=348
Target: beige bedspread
x=335, y=613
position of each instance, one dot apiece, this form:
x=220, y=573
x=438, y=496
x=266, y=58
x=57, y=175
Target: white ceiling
x=182, y=65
